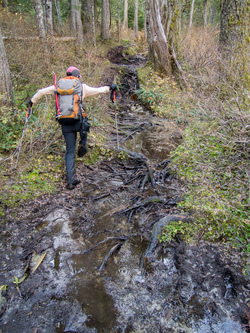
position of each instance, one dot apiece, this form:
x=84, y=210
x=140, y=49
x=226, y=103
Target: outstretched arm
x=41, y=92
x=91, y=91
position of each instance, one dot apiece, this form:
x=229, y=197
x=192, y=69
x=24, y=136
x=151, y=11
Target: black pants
x=70, y=136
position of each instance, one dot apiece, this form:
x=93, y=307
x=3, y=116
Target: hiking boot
x=70, y=186
x=76, y=181
x=82, y=150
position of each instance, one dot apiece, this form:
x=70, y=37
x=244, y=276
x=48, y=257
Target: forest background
x=197, y=75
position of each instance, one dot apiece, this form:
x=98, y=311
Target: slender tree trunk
x=205, y=12
x=5, y=5
x=6, y=90
x=39, y=17
x=136, y=19
x=110, y=15
x=93, y=21
x=125, y=18
x=79, y=26
x=212, y=14
x=145, y=22
x=48, y=17
x=118, y=20
x=87, y=16
x=58, y=11
x=105, y=28
x=191, y=14
x=77, y=21
x=73, y=16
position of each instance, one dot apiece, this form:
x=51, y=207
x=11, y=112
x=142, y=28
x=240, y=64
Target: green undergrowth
x=218, y=186
x=163, y=96
x=40, y=177
x=210, y=161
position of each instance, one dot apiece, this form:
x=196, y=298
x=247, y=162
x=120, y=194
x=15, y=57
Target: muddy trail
x=89, y=260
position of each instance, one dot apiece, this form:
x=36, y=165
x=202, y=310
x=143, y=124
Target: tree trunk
x=5, y=5
x=87, y=16
x=234, y=32
x=93, y=21
x=205, y=12
x=212, y=14
x=48, y=17
x=39, y=17
x=79, y=27
x=191, y=14
x=171, y=20
x=235, y=37
x=77, y=21
x=105, y=28
x=118, y=21
x=5, y=78
x=58, y=11
x=157, y=41
x=125, y=18
x=136, y=19
x=145, y=22
x=73, y=16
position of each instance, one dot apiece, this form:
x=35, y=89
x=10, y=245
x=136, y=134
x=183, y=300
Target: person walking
x=70, y=114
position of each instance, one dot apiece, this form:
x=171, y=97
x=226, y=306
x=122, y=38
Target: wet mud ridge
x=91, y=261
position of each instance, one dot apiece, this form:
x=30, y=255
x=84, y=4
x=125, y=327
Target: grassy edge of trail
x=213, y=167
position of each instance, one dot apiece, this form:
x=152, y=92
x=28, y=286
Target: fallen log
x=36, y=38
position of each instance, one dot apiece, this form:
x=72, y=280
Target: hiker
x=71, y=116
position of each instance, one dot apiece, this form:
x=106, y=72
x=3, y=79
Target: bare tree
x=205, y=12
x=118, y=21
x=105, y=24
x=136, y=19
x=76, y=20
x=58, y=11
x=87, y=14
x=6, y=90
x=212, y=14
x=5, y=4
x=93, y=21
x=191, y=13
x=125, y=18
x=73, y=16
x=48, y=17
x=39, y=17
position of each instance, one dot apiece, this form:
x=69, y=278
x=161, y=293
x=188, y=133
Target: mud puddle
x=100, y=267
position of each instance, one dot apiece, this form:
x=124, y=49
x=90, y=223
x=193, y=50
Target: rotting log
x=36, y=38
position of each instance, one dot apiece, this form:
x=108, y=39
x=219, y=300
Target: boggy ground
x=89, y=260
